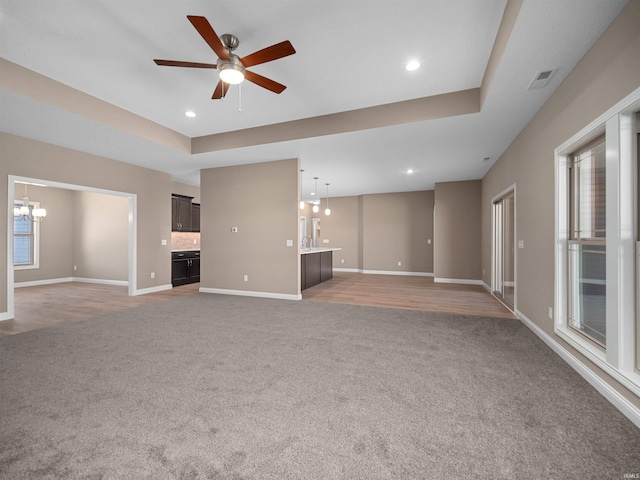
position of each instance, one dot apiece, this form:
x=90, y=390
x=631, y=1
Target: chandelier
x=28, y=213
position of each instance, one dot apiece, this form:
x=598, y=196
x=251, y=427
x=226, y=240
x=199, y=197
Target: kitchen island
x=316, y=266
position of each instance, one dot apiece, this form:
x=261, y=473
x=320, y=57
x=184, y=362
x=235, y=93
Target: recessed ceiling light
x=190, y=114
x=409, y=171
x=412, y=65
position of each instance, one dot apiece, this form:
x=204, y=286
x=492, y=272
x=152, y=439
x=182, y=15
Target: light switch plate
x=325, y=240
x=289, y=243
x=163, y=242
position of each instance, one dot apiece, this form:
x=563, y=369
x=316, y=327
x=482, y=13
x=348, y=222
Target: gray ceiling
x=350, y=55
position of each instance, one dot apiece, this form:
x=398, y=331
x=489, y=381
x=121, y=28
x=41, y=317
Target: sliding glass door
x=503, y=282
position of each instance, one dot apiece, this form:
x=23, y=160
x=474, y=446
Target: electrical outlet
x=399, y=264
x=342, y=260
x=195, y=241
x=429, y=242
x=551, y=313
x=246, y=278
x=153, y=274
x=75, y=268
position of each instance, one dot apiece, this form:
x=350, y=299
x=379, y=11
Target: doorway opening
x=503, y=278
x=132, y=233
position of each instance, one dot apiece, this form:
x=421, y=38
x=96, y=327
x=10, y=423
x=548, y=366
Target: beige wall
x=396, y=228
x=607, y=73
x=86, y=229
x=101, y=236
x=33, y=159
x=187, y=190
x=261, y=200
x=56, y=234
x=341, y=228
x=457, y=230
x=377, y=231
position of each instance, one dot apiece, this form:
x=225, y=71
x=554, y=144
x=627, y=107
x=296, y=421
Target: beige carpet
x=220, y=387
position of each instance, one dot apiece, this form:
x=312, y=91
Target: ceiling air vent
x=541, y=79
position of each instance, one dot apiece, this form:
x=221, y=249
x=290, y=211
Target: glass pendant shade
x=327, y=211
x=316, y=209
x=39, y=212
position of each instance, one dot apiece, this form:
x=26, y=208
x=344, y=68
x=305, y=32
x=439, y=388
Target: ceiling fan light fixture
x=231, y=71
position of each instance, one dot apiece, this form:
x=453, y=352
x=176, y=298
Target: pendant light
x=316, y=208
x=327, y=211
x=301, y=201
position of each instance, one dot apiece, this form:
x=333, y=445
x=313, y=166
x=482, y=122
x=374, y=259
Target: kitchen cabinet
x=181, y=213
x=195, y=217
x=326, y=266
x=185, y=268
x=315, y=268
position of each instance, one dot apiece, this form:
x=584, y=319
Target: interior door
x=504, y=279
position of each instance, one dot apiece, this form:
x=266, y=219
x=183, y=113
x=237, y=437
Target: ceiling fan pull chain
x=240, y=98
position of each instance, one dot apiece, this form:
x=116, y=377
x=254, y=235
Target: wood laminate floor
x=44, y=305
x=415, y=293
x=37, y=307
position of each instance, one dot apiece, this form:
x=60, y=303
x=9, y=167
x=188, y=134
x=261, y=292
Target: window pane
x=587, y=290
x=23, y=239
x=589, y=192
x=22, y=250
x=21, y=226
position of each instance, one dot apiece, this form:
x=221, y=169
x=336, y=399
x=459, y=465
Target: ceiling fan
x=231, y=68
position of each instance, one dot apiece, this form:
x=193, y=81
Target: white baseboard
x=119, y=283
x=463, y=281
x=159, y=288
x=383, y=272
x=51, y=281
x=486, y=287
x=247, y=293
x=627, y=408
x=36, y=283
x=5, y=316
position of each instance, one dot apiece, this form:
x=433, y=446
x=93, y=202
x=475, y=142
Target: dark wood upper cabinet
x=181, y=214
x=195, y=217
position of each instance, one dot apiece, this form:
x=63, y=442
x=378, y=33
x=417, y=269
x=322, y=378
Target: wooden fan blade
x=220, y=91
x=274, y=52
x=264, y=82
x=178, y=63
x=206, y=31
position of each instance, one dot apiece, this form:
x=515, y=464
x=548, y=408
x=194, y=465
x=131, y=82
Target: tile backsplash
x=185, y=240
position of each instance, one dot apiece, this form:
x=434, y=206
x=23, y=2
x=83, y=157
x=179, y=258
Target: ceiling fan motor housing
x=230, y=41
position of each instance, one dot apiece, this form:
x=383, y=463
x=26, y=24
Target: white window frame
x=36, y=241
x=619, y=126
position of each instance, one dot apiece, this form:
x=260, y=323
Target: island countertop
x=306, y=251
